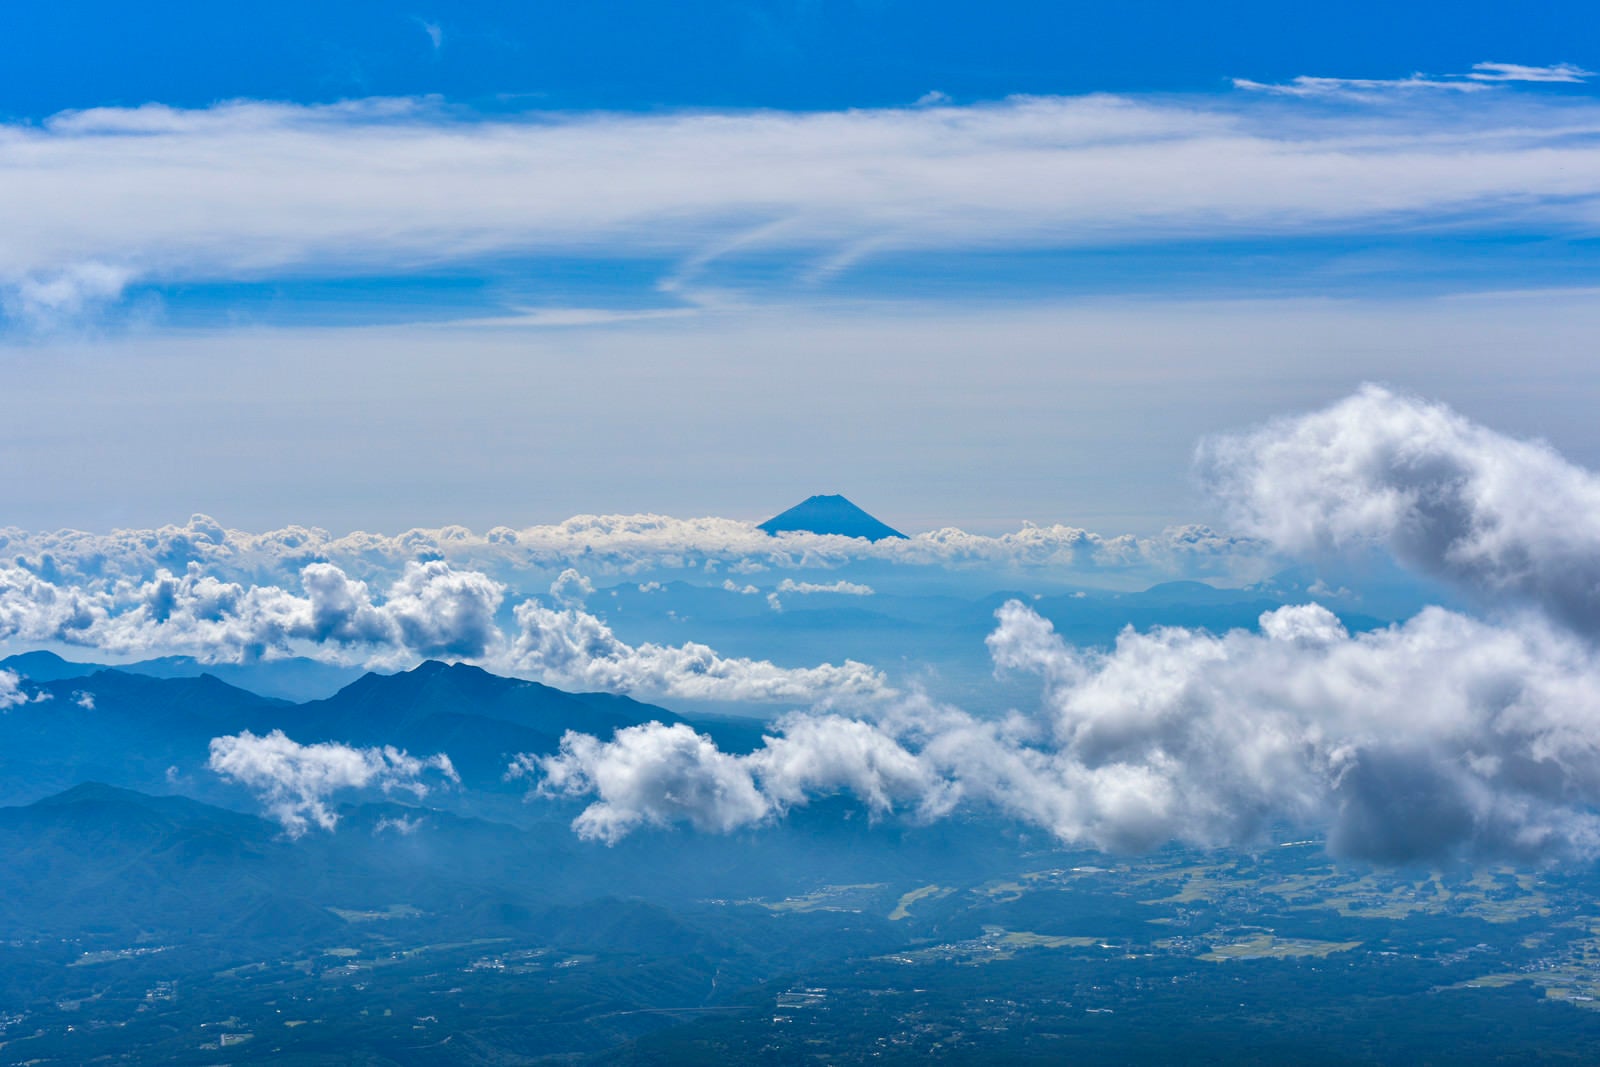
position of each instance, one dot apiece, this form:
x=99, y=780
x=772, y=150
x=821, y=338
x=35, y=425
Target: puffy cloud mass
x=571, y=648
x=656, y=775
x=431, y=610
x=599, y=544
x=1500, y=518
x=294, y=781
x=11, y=693
x=1444, y=736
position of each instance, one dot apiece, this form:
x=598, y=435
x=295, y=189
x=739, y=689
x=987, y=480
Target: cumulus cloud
x=1445, y=736
x=1501, y=519
x=11, y=693
x=650, y=775
x=572, y=588
x=656, y=775
x=295, y=781
x=443, y=612
x=431, y=609
x=622, y=545
x=570, y=648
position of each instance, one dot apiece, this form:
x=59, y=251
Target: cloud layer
x=93, y=199
x=615, y=545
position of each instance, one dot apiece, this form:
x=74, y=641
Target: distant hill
x=829, y=514
x=294, y=678
x=141, y=732
x=480, y=719
x=42, y=666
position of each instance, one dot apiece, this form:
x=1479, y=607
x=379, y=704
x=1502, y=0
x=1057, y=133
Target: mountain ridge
x=830, y=514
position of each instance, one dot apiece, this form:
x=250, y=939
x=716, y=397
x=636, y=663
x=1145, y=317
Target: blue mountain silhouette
x=829, y=514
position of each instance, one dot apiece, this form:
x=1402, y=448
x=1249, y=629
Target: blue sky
x=487, y=263
x=804, y=54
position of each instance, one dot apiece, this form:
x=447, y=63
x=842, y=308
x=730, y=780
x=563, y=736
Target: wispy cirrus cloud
x=1482, y=76
x=248, y=190
x=1516, y=72
x=1307, y=85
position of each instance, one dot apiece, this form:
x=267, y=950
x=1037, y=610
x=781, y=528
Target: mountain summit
x=831, y=514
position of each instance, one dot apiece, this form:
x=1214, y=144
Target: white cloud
x=603, y=544
x=250, y=189
x=650, y=775
x=434, y=31
x=403, y=825
x=63, y=295
x=431, y=609
x=575, y=650
x=1445, y=736
x=295, y=781
x=444, y=612
x=1368, y=88
x=841, y=587
x=1516, y=72
x=1482, y=76
x=571, y=588
x=655, y=775
x=11, y=693
x=1498, y=517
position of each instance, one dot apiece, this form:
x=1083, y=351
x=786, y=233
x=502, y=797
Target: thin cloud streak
x=1483, y=76
x=250, y=189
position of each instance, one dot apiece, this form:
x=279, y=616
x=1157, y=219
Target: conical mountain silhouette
x=829, y=514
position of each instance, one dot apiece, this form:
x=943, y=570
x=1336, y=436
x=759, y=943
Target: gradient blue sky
x=804, y=54
x=384, y=265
